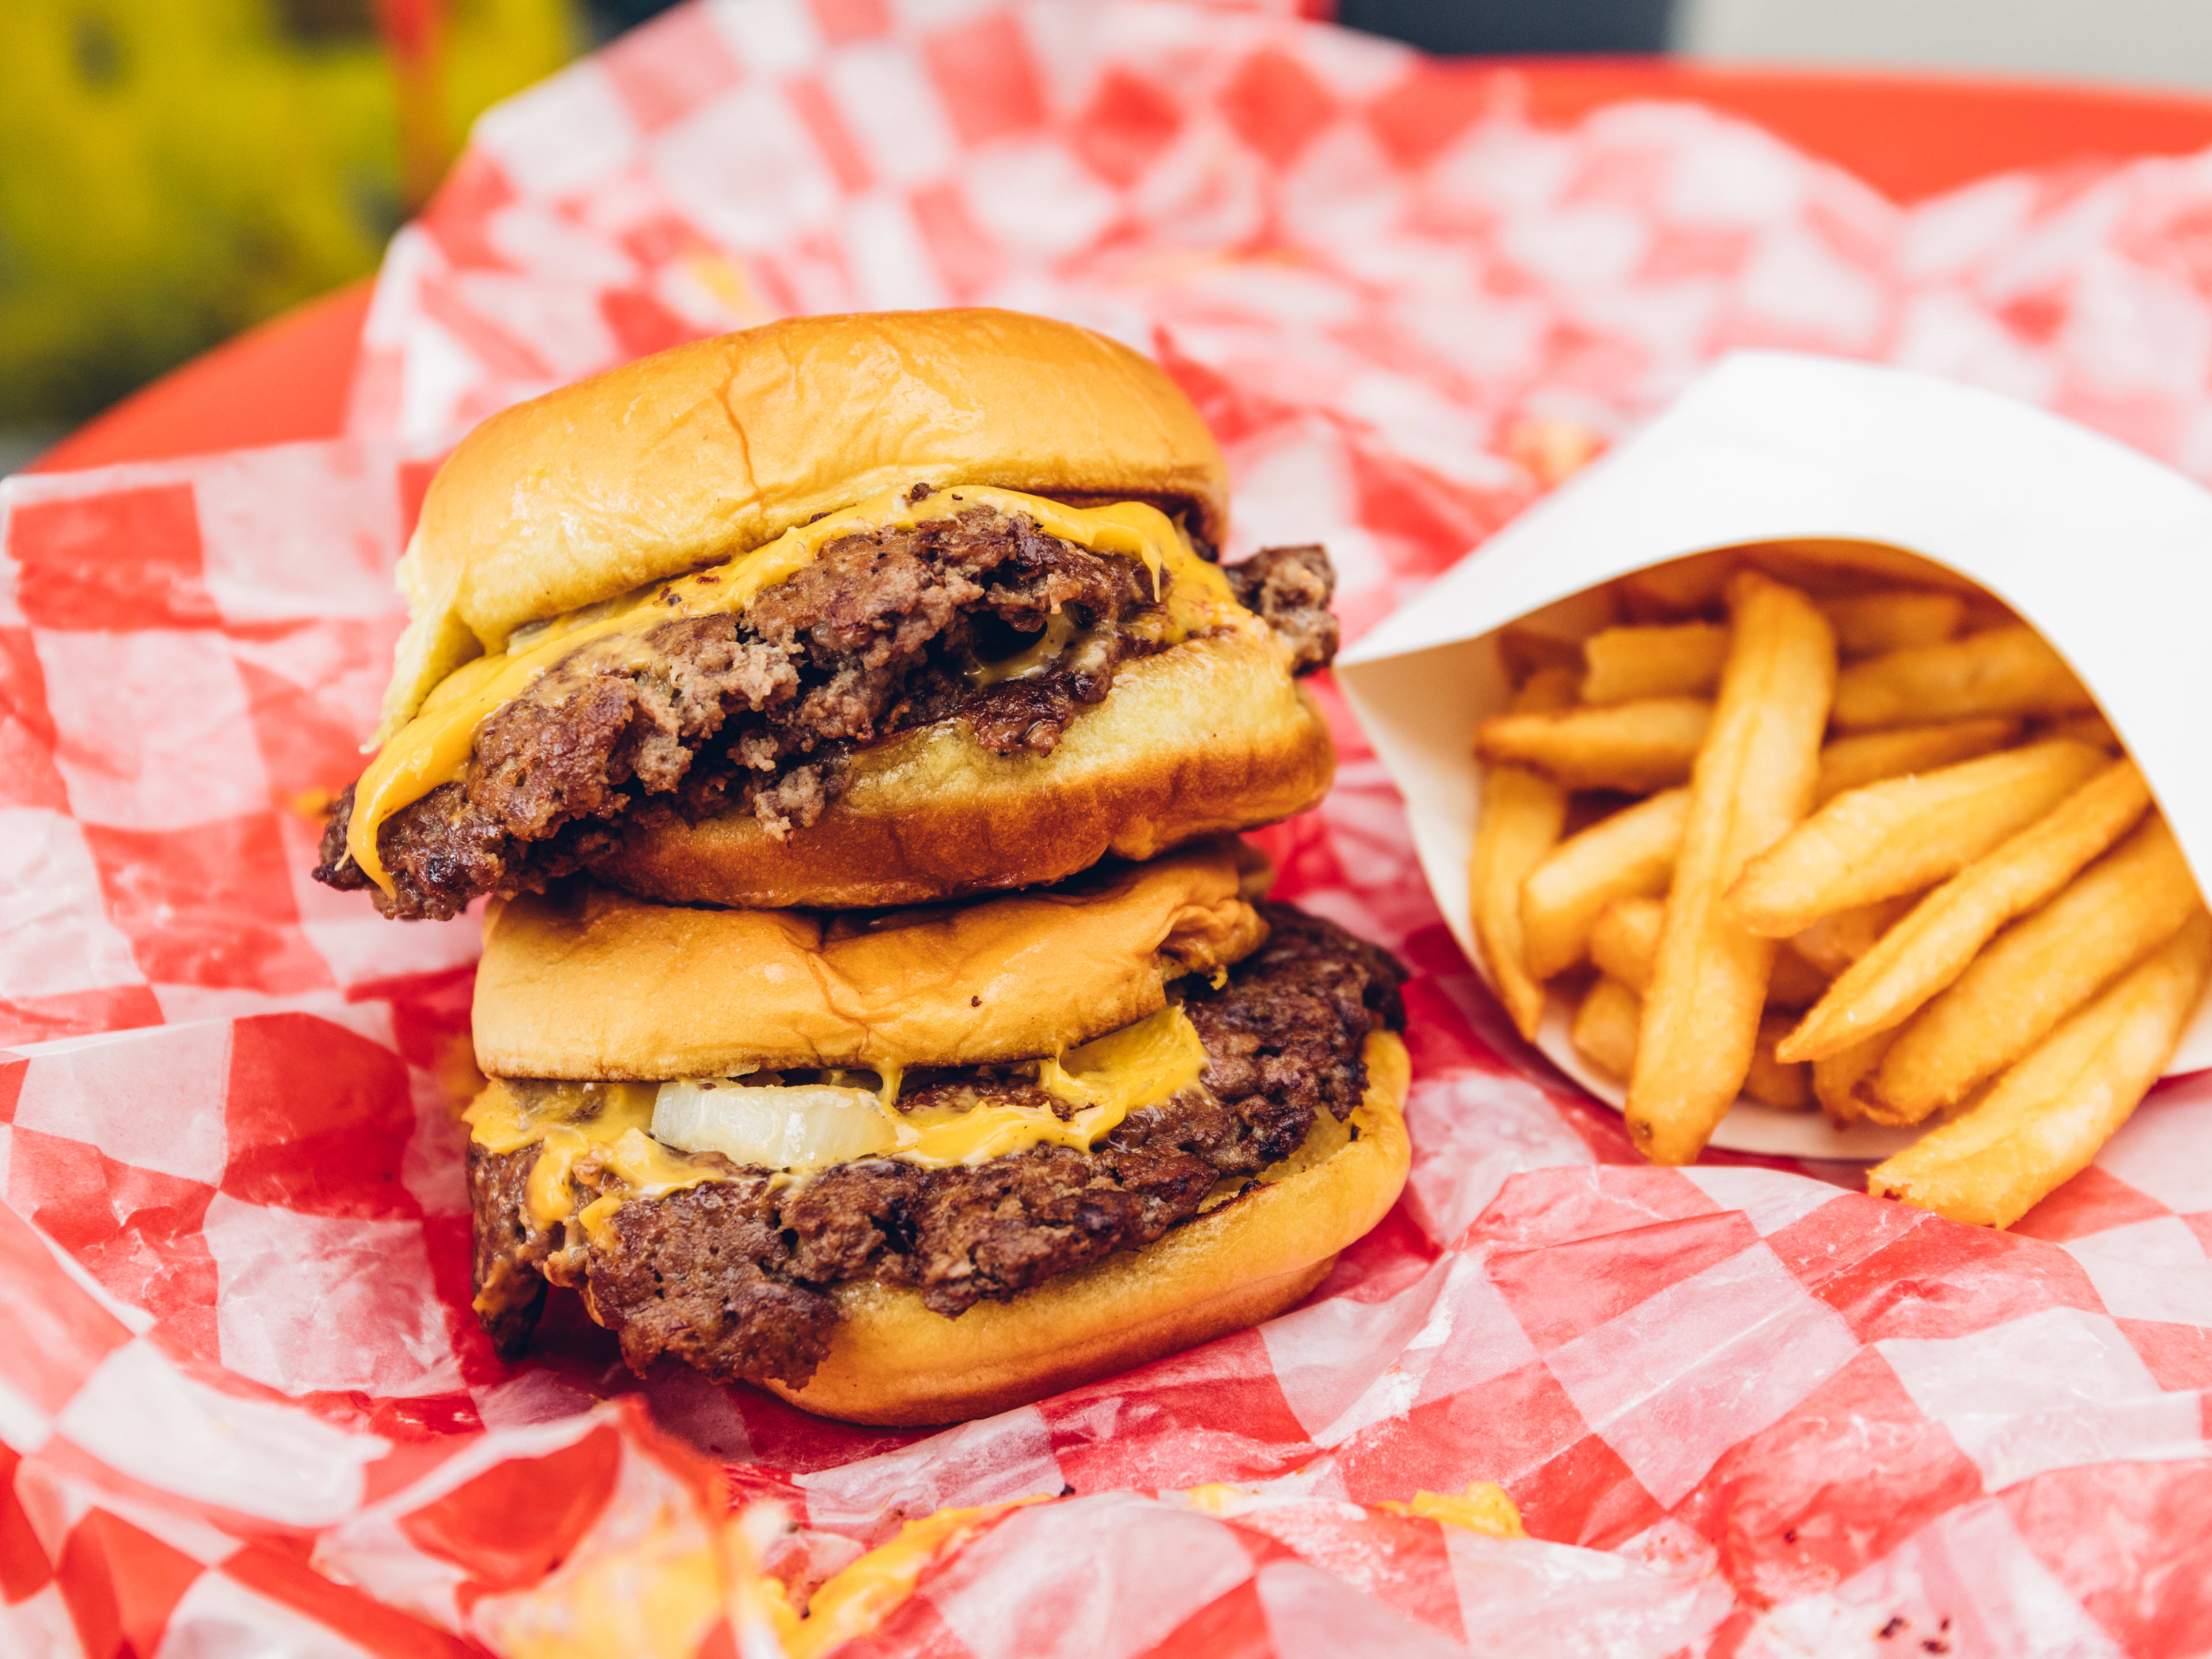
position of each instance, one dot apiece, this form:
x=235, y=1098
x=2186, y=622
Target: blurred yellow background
x=172, y=171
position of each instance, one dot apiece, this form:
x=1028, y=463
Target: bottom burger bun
x=1210, y=735
x=893, y=1363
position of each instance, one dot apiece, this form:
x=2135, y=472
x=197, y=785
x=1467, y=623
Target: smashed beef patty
x=732, y=1276
x=759, y=712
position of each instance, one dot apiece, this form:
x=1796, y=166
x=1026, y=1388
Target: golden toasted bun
x=592, y=984
x=714, y=448
x=892, y=1361
x=1210, y=735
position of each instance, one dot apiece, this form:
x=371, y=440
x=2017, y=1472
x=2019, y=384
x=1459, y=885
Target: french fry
x=1526, y=652
x=1754, y=780
x=1904, y=834
x=2086, y=729
x=1836, y=1080
x=1824, y=565
x=1931, y=947
x=1986, y=610
x=2044, y=1119
x=1626, y=941
x=1628, y=855
x=1679, y=588
x=1834, y=943
x=1854, y=763
x=1637, y=746
x=1683, y=659
x=2036, y=973
x=1869, y=623
x=1605, y=1026
x=1769, y=1081
x=2006, y=670
x=1795, y=984
x=1523, y=813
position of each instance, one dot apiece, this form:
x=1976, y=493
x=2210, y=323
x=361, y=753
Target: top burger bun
x=654, y=469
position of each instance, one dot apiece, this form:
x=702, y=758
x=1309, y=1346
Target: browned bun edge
x=587, y=983
x=715, y=448
x=893, y=1362
x=1207, y=736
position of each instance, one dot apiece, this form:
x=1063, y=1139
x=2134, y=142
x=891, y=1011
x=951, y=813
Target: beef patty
x=759, y=711
x=731, y=1276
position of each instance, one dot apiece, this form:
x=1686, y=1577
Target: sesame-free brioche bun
x=710, y=449
x=587, y=983
x=893, y=1362
x=1207, y=736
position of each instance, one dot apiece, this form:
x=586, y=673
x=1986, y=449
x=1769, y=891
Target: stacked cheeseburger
x=849, y=723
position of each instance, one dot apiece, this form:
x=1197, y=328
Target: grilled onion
x=771, y=1126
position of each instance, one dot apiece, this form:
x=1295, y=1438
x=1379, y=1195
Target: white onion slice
x=802, y=1128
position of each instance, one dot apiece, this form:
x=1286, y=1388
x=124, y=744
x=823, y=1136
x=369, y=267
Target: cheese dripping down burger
x=839, y=611
x=919, y=1166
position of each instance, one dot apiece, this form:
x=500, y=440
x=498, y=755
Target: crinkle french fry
x=1854, y=763
x=1769, y=1081
x=1683, y=659
x=2036, y=972
x=1523, y=813
x=2043, y=1121
x=1638, y=746
x=2086, y=729
x=1931, y=946
x=1869, y=623
x=1834, y=943
x=1795, y=983
x=1904, y=834
x=1753, y=781
x=1836, y=1079
x=1604, y=1028
x=1626, y=939
x=2007, y=670
x=1628, y=855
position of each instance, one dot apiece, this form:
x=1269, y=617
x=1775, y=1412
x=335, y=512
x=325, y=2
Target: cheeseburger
x=916, y=1165
x=840, y=612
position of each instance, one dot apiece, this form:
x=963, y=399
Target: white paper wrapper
x=2107, y=552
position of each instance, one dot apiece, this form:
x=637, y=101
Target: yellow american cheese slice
x=1107, y=1079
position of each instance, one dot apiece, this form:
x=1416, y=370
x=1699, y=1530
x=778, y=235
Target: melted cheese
x=655, y=1598
x=618, y=1139
x=433, y=747
x=855, y=1600
x=1106, y=1081
x=1217, y=1497
x=1032, y=660
x=1483, y=1507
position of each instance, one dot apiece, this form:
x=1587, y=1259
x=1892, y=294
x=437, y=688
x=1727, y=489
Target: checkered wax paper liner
x=243, y=1404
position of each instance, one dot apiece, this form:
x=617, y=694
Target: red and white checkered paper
x=244, y=1405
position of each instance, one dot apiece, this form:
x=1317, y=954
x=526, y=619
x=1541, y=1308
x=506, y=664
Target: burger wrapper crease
x=1739, y=1407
